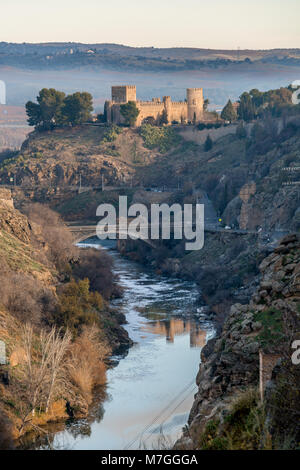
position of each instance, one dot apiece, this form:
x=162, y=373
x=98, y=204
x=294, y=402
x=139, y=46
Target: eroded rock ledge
x=230, y=362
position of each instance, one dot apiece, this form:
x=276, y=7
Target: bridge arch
x=81, y=233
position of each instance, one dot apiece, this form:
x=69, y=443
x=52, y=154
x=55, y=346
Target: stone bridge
x=81, y=232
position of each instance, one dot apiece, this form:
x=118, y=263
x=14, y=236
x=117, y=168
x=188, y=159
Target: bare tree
x=43, y=368
x=57, y=348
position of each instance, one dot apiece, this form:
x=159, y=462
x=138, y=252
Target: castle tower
x=195, y=103
x=168, y=106
x=123, y=94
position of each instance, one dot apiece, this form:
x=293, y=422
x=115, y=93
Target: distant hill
x=69, y=55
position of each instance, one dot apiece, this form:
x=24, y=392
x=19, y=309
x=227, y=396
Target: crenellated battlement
x=189, y=110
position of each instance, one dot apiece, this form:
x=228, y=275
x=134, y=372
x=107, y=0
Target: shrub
x=78, y=306
x=242, y=404
x=59, y=240
x=85, y=364
x=97, y=266
x=111, y=134
x=245, y=423
x=163, y=138
x=25, y=297
x=208, y=143
x=243, y=427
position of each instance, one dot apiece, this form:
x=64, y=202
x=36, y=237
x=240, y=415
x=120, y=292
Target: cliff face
x=230, y=362
x=57, y=159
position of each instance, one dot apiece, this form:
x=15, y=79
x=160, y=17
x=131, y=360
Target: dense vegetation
x=243, y=428
x=256, y=103
x=162, y=138
x=130, y=113
x=55, y=109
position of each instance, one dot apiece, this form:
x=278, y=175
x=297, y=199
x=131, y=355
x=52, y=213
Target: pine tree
x=228, y=113
x=164, y=117
x=246, y=110
x=45, y=113
x=208, y=143
x=130, y=113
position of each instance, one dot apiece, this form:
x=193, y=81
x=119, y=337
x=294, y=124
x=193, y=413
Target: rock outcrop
x=230, y=362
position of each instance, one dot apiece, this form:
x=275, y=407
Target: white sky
x=224, y=24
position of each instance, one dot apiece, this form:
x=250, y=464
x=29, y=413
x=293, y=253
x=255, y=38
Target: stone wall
x=188, y=110
x=123, y=94
x=175, y=111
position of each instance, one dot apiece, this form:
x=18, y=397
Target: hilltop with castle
x=190, y=110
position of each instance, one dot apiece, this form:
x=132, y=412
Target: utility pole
x=102, y=182
x=79, y=182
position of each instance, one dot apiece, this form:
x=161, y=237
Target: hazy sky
x=222, y=24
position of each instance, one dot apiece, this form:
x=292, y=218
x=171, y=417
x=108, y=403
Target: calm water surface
x=151, y=389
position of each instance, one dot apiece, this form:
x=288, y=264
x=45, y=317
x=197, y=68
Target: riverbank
x=150, y=388
x=57, y=327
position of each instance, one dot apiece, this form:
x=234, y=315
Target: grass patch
x=18, y=255
x=242, y=429
x=272, y=332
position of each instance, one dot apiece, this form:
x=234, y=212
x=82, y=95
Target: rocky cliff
x=62, y=158
x=252, y=181
x=227, y=412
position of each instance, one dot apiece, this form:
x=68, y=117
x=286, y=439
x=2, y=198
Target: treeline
x=56, y=109
x=255, y=104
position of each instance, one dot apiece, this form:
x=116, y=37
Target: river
x=150, y=390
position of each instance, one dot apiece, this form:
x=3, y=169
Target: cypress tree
x=228, y=113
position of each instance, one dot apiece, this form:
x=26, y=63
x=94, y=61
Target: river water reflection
x=150, y=391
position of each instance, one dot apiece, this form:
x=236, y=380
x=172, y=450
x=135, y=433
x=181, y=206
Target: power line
x=139, y=435
x=174, y=409
x=159, y=415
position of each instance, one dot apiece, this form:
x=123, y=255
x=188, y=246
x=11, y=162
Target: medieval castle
x=180, y=111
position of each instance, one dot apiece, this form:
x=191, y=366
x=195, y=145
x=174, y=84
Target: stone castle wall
x=123, y=94
x=189, y=110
